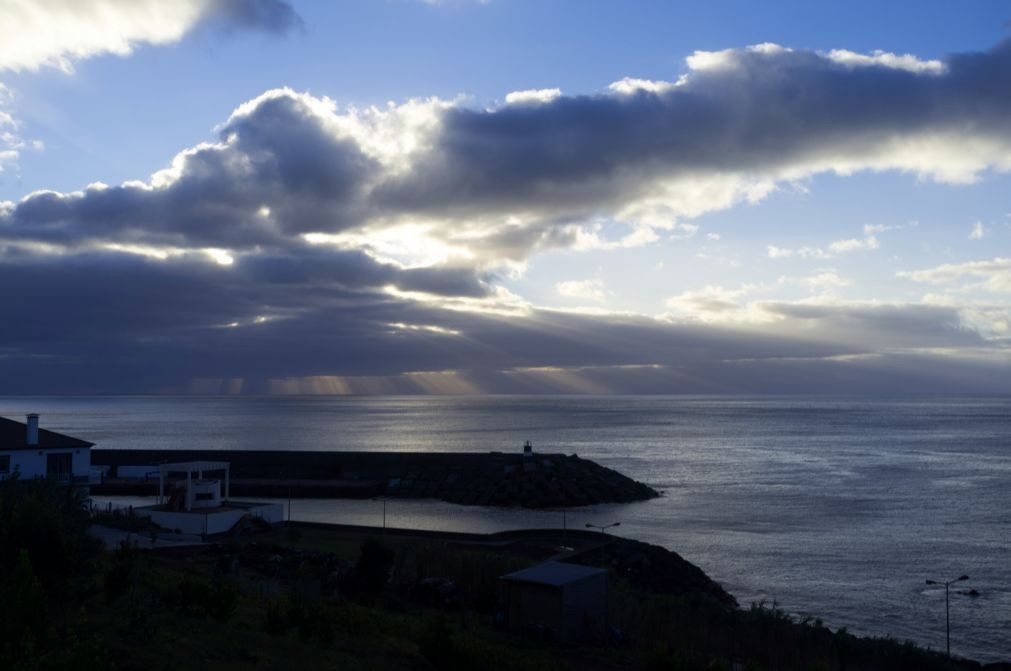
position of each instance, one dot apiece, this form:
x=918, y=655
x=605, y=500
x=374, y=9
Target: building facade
x=31, y=452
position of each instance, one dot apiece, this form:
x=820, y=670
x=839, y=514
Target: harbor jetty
x=527, y=479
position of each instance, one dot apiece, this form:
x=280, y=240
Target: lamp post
x=383, y=499
x=602, y=527
x=947, y=607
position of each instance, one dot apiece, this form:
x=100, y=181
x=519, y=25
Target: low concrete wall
x=210, y=524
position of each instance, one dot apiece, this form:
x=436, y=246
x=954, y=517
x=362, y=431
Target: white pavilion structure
x=200, y=493
x=201, y=504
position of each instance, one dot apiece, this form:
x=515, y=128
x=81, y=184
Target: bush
x=122, y=574
x=197, y=597
x=438, y=647
x=372, y=570
x=23, y=605
x=50, y=523
x=224, y=600
x=275, y=623
x=313, y=621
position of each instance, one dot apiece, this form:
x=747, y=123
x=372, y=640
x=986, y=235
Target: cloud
x=11, y=142
x=714, y=304
x=271, y=16
x=590, y=290
x=869, y=327
x=631, y=86
x=642, y=150
x=313, y=246
x=278, y=171
x=532, y=96
x=875, y=229
x=978, y=231
x=867, y=243
x=854, y=245
x=55, y=33
x=110, y=323
x=875, y=325
x=878, y=58
x=822, y=281
x=125, y=323
x=992, y=276
x=496, y=185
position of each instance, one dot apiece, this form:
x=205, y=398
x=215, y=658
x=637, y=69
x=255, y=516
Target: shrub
x=275, y=623
x=375, y=562
x=50, y=523
x=224, y=600
x=23, y=605
x=438, y=647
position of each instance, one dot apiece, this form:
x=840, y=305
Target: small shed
x=567, y=602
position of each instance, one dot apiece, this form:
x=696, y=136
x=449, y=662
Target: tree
x=372, y=570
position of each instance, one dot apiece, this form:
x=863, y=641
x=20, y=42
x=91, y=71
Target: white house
x=38, y=453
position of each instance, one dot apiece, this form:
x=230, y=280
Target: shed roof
x=14, y=436
x=554, y=573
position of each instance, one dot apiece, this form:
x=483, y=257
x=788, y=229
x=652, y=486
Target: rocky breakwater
x=530, y=480
x=533, y=481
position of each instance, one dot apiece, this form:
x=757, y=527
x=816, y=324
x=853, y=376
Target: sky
x=505, y=196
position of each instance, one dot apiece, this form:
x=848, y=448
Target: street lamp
x=947, y=608
x=565, y=520
x=602, y=527
x=383, y=499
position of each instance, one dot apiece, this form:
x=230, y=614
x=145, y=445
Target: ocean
x=835, y=508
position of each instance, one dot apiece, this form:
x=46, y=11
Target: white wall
x=212, y=523
x=32, y=464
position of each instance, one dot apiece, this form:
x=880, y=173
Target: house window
x=5, y=465
x=59, y=466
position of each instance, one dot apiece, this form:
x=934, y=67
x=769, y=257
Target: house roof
x=14, y=436
x=554, y=573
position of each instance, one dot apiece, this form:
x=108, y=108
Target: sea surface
x=835, y=508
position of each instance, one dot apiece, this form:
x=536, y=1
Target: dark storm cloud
x=93, y=294
x=122, y=324
x=84, y=317
x=882, y=326
x=275, y=16
x=276, y=172
x=318, y=267
x=755, y=112
x=763, y=113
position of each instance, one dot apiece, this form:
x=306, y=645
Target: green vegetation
x=48, y=563
x=128, y=521
x=326, y=599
